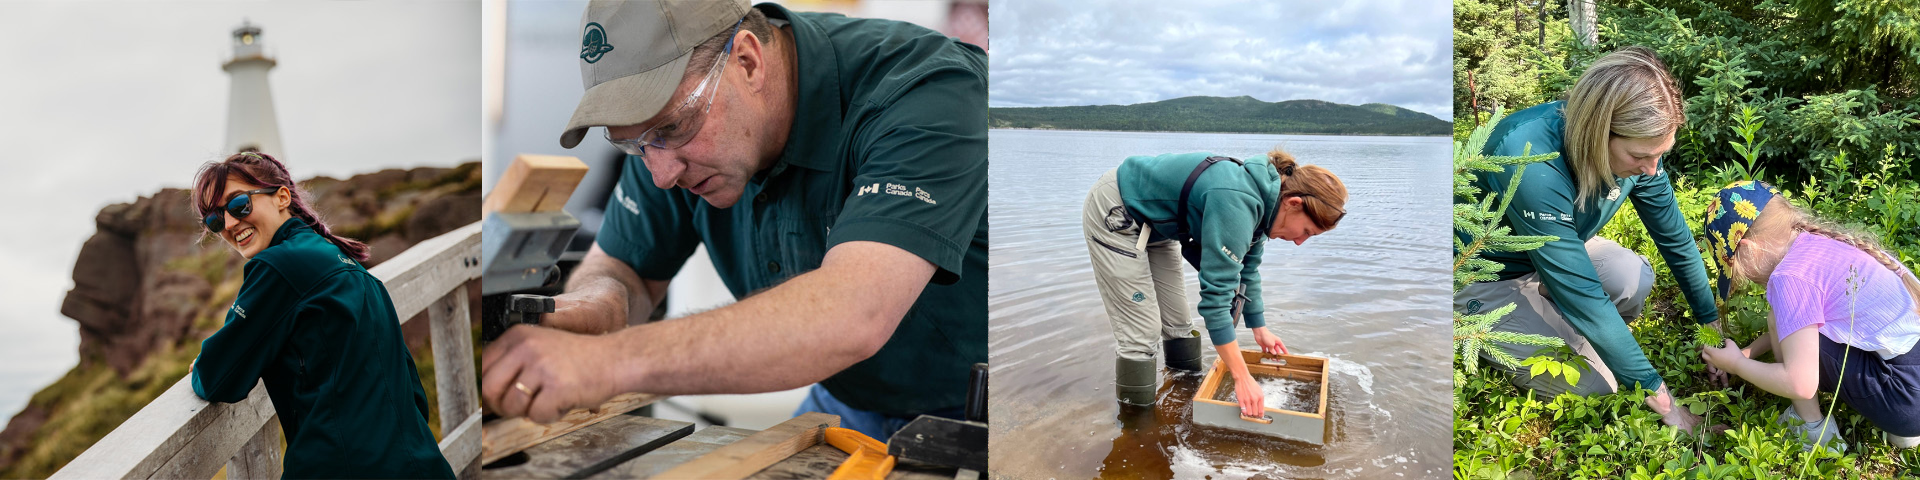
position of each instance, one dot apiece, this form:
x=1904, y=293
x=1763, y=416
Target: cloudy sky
x=103, y=102
x=1118, y=52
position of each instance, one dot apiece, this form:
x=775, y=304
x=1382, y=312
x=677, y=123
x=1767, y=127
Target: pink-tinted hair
x=263, y=170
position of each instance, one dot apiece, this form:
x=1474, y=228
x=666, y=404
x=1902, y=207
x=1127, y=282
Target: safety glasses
x=239, y=207
x=687, y=117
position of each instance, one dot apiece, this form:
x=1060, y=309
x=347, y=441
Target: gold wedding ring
x=523, y=388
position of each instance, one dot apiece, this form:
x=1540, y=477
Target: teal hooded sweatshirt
x=1545, y=205
x=322, y=333
x=1229, y=210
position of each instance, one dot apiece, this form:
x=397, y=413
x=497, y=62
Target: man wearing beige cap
x=834, y=168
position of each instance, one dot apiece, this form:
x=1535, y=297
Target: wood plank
x=594, y=449
x=167, y=426
x=534, y=183
x=421, y=275
x=760, y=450
x=676, y=453
x=819, y=461
x=260, y=457
x=453, y=377
x=461, y=446
x=503, y=437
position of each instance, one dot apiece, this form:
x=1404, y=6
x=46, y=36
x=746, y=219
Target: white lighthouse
x=251, y=124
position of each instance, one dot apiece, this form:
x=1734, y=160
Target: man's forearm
x=800, y=332
x=603, y=295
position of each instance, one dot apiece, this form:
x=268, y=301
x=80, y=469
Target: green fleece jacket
x=1229, y=210
x=322, y=334
x=1545, y=205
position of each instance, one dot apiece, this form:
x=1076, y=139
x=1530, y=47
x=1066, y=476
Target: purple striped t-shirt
x=1809, y=287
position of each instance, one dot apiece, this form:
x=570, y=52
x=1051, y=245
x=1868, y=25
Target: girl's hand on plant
x=1269, y=342
x=1718, y=358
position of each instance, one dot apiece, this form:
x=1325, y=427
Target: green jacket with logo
x=1229, y=210
x=322, y=334
x=889, y=145
x=1545, y=205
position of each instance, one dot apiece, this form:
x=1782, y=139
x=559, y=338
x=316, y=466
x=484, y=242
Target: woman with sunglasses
x=318, y=329
x=1616, y=123
x=1216, y=212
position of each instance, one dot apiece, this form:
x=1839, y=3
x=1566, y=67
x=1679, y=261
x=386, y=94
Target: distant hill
x=1228, y=115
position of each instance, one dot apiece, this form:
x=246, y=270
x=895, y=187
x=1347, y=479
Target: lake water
x=1371, y=295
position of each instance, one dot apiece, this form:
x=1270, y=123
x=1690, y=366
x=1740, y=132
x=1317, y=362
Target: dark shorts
x=1887, y=392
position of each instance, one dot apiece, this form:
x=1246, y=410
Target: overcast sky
x=1119, y=52
x=103, y=102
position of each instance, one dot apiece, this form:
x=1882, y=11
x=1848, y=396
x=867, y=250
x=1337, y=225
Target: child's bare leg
x=1809, y=409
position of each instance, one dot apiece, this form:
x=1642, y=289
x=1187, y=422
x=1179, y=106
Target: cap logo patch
x=593, y=43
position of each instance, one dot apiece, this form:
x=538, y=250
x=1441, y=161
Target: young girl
x=1837, y=299
x=316, y=327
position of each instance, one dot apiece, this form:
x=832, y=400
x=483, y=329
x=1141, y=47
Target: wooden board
x=680, y=451
x=819, y=461
x=593, y=449
x=534, y=183
x=807, y=464
x=177, y=435
x=260, y=457
x=739, y=459
x=1310, y=427
x=506, y=436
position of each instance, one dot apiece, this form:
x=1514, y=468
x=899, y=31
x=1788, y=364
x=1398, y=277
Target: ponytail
x=1324, y=197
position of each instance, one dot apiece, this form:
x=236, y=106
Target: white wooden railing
x=178, y=435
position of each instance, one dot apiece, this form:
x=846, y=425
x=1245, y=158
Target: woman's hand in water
x=1269, y=342
x=1718, y=358
x=1253, y=402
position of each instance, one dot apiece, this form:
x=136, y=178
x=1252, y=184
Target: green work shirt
x=889, y=145
x=322, y=333
x=1544, y=205
x=1230, y=210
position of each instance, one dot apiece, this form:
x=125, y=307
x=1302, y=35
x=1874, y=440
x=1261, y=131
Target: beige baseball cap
x=633, y=54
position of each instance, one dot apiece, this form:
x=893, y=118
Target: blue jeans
x=876, y=425
x=1884, y=391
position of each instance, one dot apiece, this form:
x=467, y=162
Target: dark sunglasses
x=240, y=206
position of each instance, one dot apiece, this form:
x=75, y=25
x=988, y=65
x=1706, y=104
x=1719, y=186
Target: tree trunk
x=1585, y=21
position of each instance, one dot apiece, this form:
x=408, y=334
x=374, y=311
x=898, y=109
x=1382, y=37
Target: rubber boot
x=1183, y=353
x=1135, y=381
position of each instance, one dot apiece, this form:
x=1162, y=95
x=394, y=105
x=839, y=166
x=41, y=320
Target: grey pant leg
x=1535, y=315
x=1170, y=290
x=1625, y=276
x=1123, y=273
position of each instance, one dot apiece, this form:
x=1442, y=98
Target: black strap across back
x=1189, y=244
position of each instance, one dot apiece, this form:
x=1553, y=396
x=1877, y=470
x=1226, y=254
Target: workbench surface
x=633, y=446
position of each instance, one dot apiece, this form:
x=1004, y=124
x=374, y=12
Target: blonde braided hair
x=1781, y=216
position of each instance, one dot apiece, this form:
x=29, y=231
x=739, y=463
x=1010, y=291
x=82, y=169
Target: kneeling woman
x=1216, y=212
x=319, y=329
x=1837, y=299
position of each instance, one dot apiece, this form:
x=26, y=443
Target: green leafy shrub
x=1821, y=98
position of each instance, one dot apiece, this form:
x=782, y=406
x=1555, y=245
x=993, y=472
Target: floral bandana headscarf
x=1729, y=216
